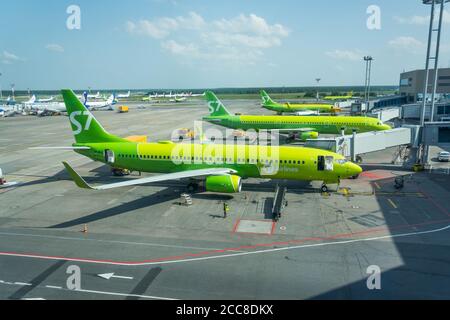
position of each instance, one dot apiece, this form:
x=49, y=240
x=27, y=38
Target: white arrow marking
x=108, y=276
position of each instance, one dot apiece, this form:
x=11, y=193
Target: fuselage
x=287, y=107
x=320, y=124
x=291, y=163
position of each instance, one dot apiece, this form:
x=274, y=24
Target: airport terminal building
x=412, y=84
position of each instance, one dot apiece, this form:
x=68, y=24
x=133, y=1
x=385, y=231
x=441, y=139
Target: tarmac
x=323, y=247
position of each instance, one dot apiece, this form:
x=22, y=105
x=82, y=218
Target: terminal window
x=444, y=135
x=443, y=110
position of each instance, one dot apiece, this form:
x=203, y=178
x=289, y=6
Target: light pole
x=423, y=156
x=368, y=60
x=1, y=92
x=318, y=81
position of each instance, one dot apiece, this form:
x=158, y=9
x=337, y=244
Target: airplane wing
x=60, y=148
x=80, y=182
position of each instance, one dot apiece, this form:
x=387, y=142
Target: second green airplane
x=307, y=127
x=281, y=108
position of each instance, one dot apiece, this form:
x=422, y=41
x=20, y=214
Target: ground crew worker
x=2, y=180
x=226, y=209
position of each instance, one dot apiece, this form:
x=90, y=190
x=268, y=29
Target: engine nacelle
x=224, y=184
x=309, y=135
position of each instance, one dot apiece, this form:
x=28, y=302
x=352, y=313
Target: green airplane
x=301, y=109
x=335, y=98
x=307, y=127
x=219, y=168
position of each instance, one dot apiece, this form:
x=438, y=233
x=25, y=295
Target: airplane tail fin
x=266, y=99
x=111, y=100
x=216, y=107
x=86, y=128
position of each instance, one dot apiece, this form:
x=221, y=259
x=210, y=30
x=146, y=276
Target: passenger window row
x=239, y=160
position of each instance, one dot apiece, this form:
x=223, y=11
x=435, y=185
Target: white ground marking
x=324, y=244
x=88, y=291
x=23, y=284
x=124, y=294
x=106, y=241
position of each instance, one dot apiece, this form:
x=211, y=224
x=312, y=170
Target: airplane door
x=321, y=163
x=325, y=163
x=329, y=163
x=110, y=157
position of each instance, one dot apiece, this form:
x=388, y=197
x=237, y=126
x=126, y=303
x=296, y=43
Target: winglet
x=79, y=181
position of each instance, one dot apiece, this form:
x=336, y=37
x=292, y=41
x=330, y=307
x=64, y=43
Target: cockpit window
x=341, y=161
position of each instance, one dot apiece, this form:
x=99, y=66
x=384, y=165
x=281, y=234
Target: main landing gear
x=120, y=172
x=193, y=187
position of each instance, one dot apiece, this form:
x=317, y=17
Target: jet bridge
x=354, y=145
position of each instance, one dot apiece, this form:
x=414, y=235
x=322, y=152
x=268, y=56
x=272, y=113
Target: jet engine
x=309, y=135
x=224, y=184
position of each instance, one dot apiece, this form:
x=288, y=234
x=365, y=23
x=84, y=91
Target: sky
x=142, y=44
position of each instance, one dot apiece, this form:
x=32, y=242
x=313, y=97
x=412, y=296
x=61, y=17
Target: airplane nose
x=354, y=169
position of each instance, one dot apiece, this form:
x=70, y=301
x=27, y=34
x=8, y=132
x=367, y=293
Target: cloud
x=239, y=39
x=54, y=47
x=251, y=24
x=9, y=58
x=163, y=27
x=421, y=20
x=350, y=55
x=410, y=44
x=179, y=49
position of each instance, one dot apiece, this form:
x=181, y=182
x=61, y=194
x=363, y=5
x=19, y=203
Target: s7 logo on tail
x=214, y=106
x=77, y=124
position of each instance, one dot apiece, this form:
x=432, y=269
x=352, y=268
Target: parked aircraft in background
x=95, y=96
x=46, y=100
x=123, y=96
x=9, y=111
x=335, y=98
x=99, y=105
x=299, y=109
x=296, y=126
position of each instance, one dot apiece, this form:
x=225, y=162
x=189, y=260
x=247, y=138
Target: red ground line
x=226, y=250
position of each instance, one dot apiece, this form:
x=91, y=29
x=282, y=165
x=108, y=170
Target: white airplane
x=31, y=101
x=9, y=111
x=197, y=94
x=178, y=100
x=46, y=100
x=34, y=106
x=51, y=108
x=307, y=113
x=95, y=96
x=100, y=105
x=121, y=96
